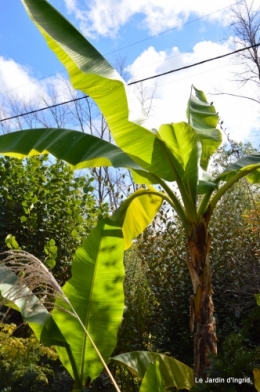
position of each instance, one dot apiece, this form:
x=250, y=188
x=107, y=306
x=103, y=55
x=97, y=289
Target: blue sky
x=172, y=34
x=20, y=40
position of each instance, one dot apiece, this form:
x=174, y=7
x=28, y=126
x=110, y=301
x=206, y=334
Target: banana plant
x=88, y=310
x=176, y=154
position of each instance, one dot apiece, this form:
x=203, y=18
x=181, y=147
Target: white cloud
x=240, y=116
x=21, y=92
x=12, y=75
x=104, y=17
x=71, y=5
x=16, y=80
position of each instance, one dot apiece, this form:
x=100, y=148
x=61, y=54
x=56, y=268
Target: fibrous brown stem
x=202, y=321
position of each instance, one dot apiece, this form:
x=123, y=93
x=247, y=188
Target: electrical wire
x=138, y=81
x=132, y=44
x=195, y=64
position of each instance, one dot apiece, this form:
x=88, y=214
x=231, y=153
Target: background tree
x=49, y=211
x=245, y=27
x=79, y=112
x=246, y=30
x=46, y=208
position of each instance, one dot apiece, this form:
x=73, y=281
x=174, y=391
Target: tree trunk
x=202, y=321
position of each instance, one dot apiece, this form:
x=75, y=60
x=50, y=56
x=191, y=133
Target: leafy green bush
x=45, y=206
x=23, y=361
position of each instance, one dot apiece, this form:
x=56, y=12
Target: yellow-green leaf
x=137, y=212
x=96, y=293
x=90, y=72
x=153, y=381
x=256, y=373
x=204, y=119
x=174, y=373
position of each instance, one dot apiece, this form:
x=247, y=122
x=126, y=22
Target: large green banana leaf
x=247, y=165
x=184, y=144
x=96, y=293
x=174, y=373
x=155, y=152
x=93, y=75
x=76, y=148
x=204, y=119
x=152, y=381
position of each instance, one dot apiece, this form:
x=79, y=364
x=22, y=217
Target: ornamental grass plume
x=26, y=281
x=31, y=273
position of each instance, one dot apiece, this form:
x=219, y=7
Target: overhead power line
x=195, y=64
x=137, y=42
x=137, y=81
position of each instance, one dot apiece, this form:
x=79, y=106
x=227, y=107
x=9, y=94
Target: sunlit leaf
x=143, y=204
x=96, y=293
x=256, y=373
x=152, y=381
x=204, y=119
x=247, y=164
x=78, y=149
x=90, y=72
x=174, y=373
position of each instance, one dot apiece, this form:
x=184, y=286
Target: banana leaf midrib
x=88, y=313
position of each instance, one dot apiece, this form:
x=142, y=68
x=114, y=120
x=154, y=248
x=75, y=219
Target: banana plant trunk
x=202, y=321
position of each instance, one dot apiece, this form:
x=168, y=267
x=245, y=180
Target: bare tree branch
x=237, y=96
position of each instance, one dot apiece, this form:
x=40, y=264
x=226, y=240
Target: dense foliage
x=47, y=208
x=155, y=270
x=157, y=286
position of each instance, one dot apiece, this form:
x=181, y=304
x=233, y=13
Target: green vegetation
x=46, y=208
x=88, y=310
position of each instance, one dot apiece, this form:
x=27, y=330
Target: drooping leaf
x=152, y=381
x=78, y=149
x=246, y=166
x=144, y=204
x=96, y=293
x=204, y=119
x=144, y=177
x=93, y=75
x=174, y=373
